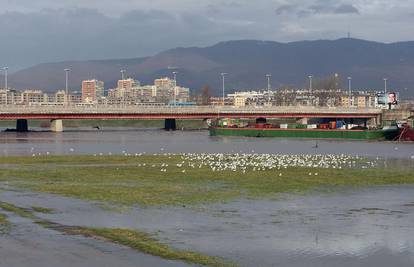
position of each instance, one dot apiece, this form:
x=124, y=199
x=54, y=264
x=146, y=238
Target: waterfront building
x=128, y=84
x=164, y=83
x=30, y=97
x=92, y=90
x=131, y=92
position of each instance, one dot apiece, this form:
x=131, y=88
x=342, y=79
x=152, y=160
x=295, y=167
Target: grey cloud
x=319, y=7
x=79, y=34
x=346, y=9
x=286, y=9
x=334, y=9
x=131, y=28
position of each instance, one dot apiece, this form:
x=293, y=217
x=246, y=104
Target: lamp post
x=175, y=87
x=310, y=88
x=268, y=76
x=223, y=83
x=67, y=85
x=350, y=89
x=5, y=80
x=310, y=83
x=5, y=77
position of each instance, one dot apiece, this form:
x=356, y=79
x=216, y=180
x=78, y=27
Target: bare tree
x=327, y=90
x=329, y=83
x=205, y=95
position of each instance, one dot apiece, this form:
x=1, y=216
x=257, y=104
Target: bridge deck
x=194, y=112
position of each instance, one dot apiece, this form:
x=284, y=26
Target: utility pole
x=175, y=88
x=350, y=89
x=268, y=76
x=223, y=85
x=67, y=85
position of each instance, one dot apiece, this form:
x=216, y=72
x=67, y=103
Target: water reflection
x=154, y=141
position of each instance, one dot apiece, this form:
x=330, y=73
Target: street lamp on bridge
x=67, y=85
x=5, y=80
x=310, y=88
x=175, y=87
x=310, y=83
x=350, y=89
x=5, y=77
x=122, y=74
x=268, y=76
x=223, y=75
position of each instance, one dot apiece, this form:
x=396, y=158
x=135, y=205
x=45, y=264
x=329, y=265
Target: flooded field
x=365, y=227
x=323, y=209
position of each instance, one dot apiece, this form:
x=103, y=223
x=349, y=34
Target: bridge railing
x=108, y=109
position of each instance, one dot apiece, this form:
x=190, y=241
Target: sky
x=37, y=31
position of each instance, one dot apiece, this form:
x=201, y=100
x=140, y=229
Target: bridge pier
x=56, y=126
x=261, y=120
x=170, y=125
x=22, y=125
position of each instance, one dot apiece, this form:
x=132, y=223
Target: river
x=121, y=140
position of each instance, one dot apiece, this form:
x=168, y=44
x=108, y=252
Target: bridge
x=170, y=113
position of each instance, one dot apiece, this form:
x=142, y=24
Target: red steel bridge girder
x=180, y=116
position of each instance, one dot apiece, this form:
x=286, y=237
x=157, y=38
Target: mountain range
x=246, y=62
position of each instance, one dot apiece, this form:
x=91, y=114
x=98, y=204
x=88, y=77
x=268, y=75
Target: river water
x=118, y=141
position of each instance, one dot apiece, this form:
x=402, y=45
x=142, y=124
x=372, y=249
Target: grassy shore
x=149, y=245
x=129, y=180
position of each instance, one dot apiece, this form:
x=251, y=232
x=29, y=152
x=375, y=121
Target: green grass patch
x=130, y=180
x=22, y=212
x=147, y=244
x=42, y=210
x=3, y=219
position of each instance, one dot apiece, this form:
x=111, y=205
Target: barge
x=323, y=131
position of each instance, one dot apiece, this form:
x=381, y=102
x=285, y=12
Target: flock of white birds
x=244, y=162
x=261, y=162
